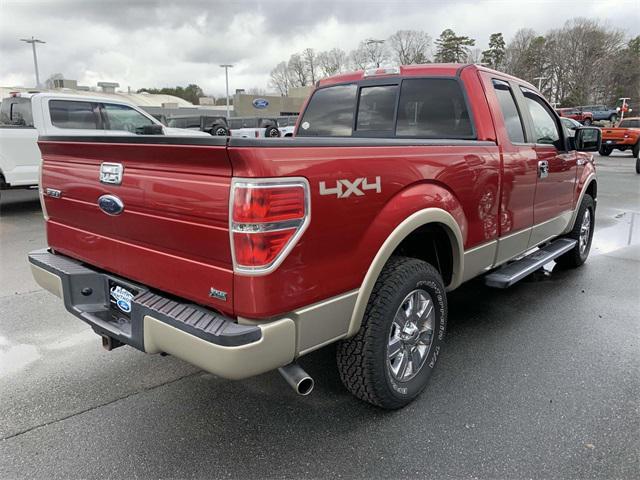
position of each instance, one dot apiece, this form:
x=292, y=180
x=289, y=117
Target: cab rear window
x=330, y=112
x=16, y=112
x=429, y=108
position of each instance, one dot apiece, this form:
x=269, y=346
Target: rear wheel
x=636, y=149
x=587, y=122
x=613, y=118
x=605, y=151
x=391, y=358
x=583, y=233
x=637, y=165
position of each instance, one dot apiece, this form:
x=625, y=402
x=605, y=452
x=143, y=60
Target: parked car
x=213, y=125
x=601, y=112
x=584, y=117
x=241, y=255
x=287, y=125
x=24, y=116
x=626, y=136
x=253, y=127
x=571, y=125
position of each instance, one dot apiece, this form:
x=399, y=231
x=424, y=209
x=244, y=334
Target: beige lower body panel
x=275, y=349
x=479, y=259
x=551, y=228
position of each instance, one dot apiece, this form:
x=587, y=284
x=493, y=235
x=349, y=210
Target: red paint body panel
x=173, y=234
x=174, y=230
x=345, y=234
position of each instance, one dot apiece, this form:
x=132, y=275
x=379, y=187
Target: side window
x=329, y=113
x=72, y=114
x=433, y=108
x=17, y=112
x=121, y=117
x=376, y=108
x=510, y=113
x=544, y=123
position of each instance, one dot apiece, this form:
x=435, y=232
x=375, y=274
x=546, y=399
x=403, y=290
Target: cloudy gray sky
x=151, y=43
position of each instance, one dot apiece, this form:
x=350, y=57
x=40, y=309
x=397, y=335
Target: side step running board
x=511, y=273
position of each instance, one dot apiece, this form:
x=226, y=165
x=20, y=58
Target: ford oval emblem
x=110, y=204
x=261, y=103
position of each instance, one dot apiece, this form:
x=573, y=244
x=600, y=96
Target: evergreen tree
x=452, y=48
x=495, y=55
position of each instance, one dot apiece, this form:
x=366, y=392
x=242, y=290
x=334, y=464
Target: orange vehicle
x=626, y=136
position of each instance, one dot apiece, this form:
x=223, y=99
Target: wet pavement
x=539, y=381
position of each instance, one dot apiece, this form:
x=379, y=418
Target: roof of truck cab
x=435, y=69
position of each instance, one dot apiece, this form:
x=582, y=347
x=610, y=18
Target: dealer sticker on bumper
x=121, y=297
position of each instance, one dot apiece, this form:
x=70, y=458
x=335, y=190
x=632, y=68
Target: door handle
x=543, y=169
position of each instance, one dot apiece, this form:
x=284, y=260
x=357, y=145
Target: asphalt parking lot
x=538, y=381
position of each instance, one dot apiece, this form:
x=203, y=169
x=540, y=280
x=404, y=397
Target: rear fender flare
x=588, y=177
x=433, y=215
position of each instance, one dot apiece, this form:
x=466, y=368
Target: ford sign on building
x=261, y=103
x=245, y=105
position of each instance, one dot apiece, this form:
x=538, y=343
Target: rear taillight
x=266, y=219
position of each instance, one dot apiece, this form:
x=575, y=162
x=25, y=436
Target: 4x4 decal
x=345, y=188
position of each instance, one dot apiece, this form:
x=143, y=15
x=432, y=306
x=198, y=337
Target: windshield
x=631, y=123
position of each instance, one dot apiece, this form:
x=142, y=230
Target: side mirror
x=588, y=139
x=154, y=129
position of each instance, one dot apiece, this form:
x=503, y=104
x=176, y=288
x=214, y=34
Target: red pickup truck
x=242, y=255
x=577, y=114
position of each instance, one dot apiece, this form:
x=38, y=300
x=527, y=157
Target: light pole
x=373, y=41
x=226, y=67
x=33, y=42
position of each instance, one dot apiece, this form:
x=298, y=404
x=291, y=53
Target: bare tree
x=311, y=62
x=280, y=79
x=410, y=46
x=332, y=62
x=369, y=54
x=298, y=70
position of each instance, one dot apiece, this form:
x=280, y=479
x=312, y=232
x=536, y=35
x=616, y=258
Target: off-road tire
x=605, y=151
x=574, y=257
x=220, y=131
x=362, y=359
x=271, y=132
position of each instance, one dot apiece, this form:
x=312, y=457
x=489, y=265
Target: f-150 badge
x=346, y=188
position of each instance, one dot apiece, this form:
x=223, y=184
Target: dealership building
x=245, y=105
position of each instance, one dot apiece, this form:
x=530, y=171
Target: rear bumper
x=157, y=323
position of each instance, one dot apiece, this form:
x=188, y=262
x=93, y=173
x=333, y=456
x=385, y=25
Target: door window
x=545, y=128
x=122, y=117
x=510, y=114
x=74, y=114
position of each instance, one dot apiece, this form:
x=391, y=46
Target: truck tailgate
x=173, y=233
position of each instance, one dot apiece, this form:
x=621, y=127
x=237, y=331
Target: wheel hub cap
x=411, y=335
x=585, y=229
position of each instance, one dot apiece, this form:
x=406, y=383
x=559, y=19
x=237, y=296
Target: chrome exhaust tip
x=297, y=378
